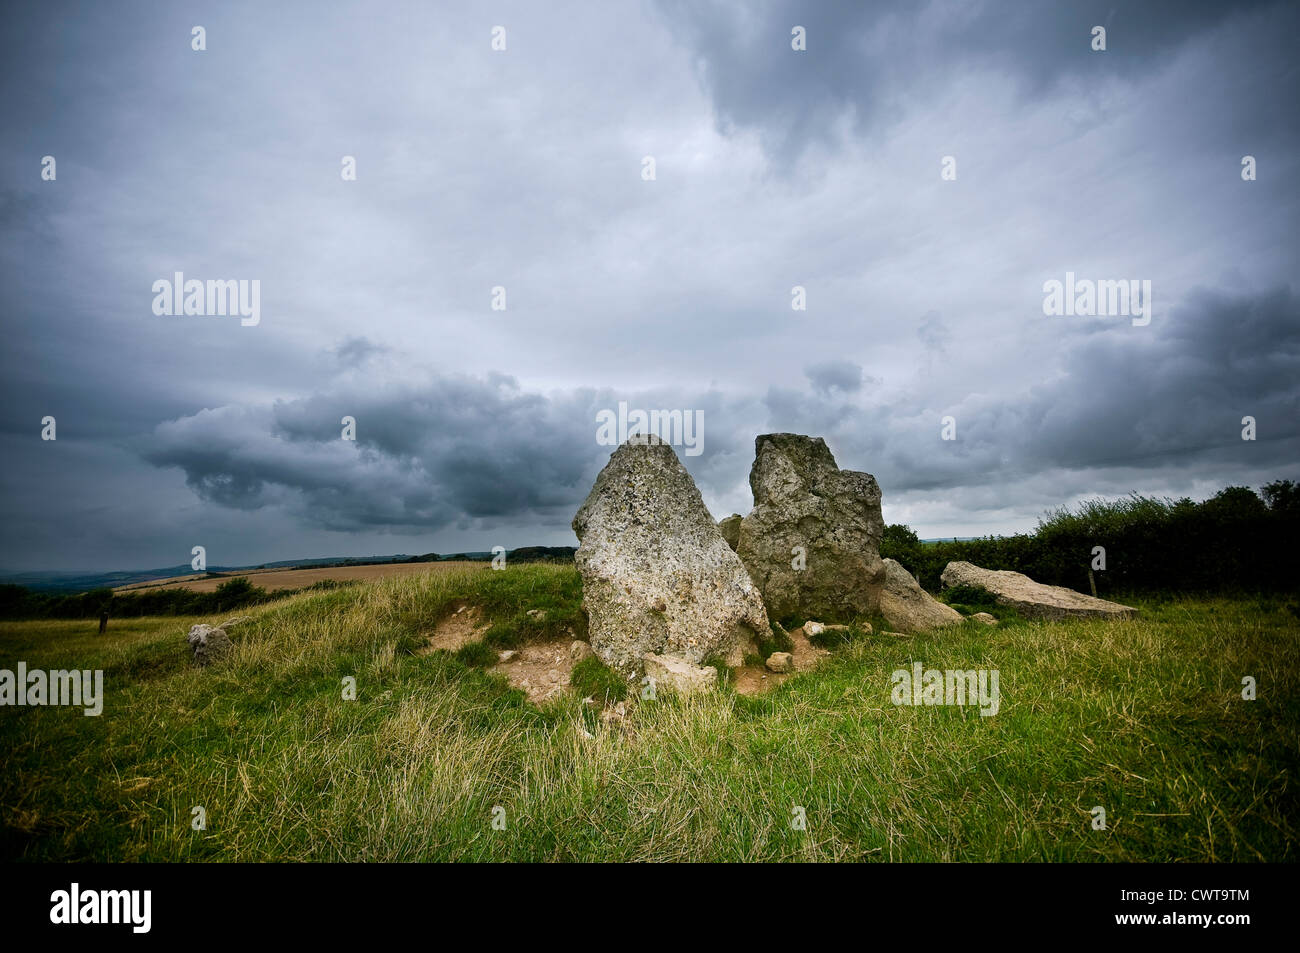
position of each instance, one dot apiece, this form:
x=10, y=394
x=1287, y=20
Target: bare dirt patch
x=541, y=671
x=806, y=655
x=756, y=679
x=464, y=625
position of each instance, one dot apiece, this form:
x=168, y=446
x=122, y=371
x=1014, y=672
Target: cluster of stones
x=666, y=589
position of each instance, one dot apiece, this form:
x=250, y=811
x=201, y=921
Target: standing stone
x=1034, y=600
x=909, y=608
x=812, y=541
x=730, y=529
x=657, y=576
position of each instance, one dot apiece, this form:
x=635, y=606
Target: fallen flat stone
x=1033, y=599
x=906, y=606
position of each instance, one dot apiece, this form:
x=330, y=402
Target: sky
x=920, y=170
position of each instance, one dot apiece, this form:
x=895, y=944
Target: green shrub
x=1236, y=541
x=902, y=545
x=971, y=598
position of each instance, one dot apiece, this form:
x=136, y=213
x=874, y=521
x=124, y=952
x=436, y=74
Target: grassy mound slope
x=1142, y=717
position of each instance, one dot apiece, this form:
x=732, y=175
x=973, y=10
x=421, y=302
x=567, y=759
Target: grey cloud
x=522, y=169
x=355, y=351
x=933, y=333
x=827, y=376
x=462, y=448
x=425, y=455
x=864, y=60
x=1120, y=399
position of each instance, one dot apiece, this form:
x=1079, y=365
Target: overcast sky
x=523, y=168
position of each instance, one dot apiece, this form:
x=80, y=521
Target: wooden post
x=103, y=622
x=1092, y=583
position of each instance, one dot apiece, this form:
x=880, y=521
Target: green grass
x=1143, y=717
x=592, y=678
x=476, y=655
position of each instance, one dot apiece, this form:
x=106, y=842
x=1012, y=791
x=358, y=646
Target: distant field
x=276, y=579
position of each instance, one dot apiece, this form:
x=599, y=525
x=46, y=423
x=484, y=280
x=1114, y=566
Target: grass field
x=1144, y=718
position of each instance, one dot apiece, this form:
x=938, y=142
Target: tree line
x=1236, y=541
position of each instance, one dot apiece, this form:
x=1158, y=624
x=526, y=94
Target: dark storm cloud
x=863, y=59
x=456, y=449
x=426, y=455
x=446, y=450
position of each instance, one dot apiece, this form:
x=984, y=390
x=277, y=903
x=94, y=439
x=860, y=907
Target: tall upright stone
x=657, y=576
x=812, y=541
x=730, y=529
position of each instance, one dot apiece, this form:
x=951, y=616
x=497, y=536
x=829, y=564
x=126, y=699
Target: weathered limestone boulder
x=679, y=675
x=1033, y=599
x=209, y=643
x=730, y=529
x=657, y=575
x=908, y=607
x=811, y=543
x=985, y=618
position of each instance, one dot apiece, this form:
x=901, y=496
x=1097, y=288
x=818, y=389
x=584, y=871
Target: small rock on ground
x=780, y=662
